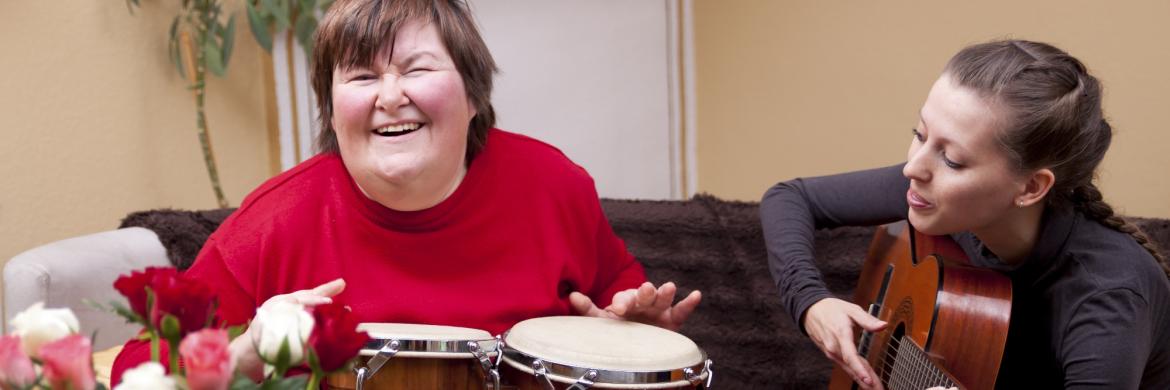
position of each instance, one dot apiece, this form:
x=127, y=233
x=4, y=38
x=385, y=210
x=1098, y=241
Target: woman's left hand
x=644, y=304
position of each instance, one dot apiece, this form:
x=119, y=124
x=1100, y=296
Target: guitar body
x=947, y=322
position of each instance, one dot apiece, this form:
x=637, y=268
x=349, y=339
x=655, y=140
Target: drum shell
x=520, y=380
x=416, y=373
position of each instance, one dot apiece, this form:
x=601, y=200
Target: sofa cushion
x=181, y=232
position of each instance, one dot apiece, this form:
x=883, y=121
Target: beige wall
x=96, y=123
x=798, y=88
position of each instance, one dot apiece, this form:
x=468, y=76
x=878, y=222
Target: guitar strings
x=917, y=371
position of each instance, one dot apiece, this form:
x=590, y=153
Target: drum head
x=611, y=346
x=426, y=341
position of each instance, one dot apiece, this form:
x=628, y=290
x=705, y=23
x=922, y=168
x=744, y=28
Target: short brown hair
x=353, y=31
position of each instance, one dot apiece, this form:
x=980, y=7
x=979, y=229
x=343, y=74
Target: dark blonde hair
x=1053, y=119
x=353, y=31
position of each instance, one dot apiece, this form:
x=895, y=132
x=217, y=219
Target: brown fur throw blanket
x=704, y=243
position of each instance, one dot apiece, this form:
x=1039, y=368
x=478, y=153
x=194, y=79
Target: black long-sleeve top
x=1090, y=306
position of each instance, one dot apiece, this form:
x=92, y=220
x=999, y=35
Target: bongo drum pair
x=542, y=353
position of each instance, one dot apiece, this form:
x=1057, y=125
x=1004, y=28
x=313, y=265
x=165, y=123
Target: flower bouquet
x=180, y=311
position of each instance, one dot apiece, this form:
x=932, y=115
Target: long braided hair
x=1054, y=121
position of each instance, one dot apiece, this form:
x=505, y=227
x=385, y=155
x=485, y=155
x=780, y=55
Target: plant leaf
x=314, y=362
x=229, y=39
x=126, y=313
x=283, y=358
x=259, y=27
x=268, y=8
x=236, y=331
x=212, y=58
x=241, y=382
x=281, y=13
x=290, y=383
x=173, y=47
x=306, y=26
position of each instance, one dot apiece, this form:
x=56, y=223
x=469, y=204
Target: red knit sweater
x=522, y=231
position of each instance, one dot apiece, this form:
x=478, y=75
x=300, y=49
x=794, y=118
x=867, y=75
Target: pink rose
x=208, y=361
x=16, y=369
x=68, y=363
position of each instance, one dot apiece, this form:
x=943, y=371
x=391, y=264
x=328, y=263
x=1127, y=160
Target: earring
x=1020, y=203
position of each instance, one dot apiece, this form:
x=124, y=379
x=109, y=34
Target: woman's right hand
x=829, y=323
x=243, y=347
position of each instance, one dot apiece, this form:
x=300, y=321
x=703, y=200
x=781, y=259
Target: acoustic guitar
x=947, y=322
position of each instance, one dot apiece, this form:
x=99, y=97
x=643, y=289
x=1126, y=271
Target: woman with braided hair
x=1003, y=159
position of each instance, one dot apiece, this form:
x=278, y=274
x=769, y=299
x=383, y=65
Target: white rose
x=38, y=326
x=147, y=376
x=279, y=321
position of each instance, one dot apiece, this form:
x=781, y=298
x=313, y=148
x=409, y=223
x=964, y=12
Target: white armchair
x=66, y=273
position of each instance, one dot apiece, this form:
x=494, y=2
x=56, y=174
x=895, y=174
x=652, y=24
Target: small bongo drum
x=411, y=356
x=586, y=352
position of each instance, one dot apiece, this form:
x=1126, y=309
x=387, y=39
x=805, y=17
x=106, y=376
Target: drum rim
x=568, y=373
x=452, y=348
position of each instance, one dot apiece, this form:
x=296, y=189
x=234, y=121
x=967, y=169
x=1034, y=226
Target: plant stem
x=174, y=355
x=204, y=136
x=154, y=347
x=314, y=382
x=199, y=85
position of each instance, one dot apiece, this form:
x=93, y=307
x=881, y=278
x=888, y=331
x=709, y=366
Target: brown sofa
x=704, y=243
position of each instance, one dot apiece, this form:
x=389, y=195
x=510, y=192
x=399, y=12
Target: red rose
x=335, y=338
x=207, y=359
x=189, y=300
x=133, y=286
x=67, y=363
x=16, y=369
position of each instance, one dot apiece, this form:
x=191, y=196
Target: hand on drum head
x=247, y=360
x=829, y=323
x=644, y=304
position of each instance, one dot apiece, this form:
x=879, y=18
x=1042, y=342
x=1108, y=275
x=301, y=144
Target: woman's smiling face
x=960, y=177
x=402, y=121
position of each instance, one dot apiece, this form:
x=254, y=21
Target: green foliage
x=299, y=15
x=236, y=331
x=198, y=35
x=170, y=328
x=283, y=358
x=213, y=39
x=291, y=383
x=119, y=308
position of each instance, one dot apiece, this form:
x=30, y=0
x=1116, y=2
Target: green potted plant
x=200, y=41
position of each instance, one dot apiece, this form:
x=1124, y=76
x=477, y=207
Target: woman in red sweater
x=417, y=210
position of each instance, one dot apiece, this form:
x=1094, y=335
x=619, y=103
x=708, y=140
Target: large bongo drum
x=586, y=352
x=412, y=356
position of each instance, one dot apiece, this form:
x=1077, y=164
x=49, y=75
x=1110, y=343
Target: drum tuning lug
x=585, y=381
x=375, y=363
x=541, y=372
x=499, y=349
x=710, y=373
x=490, y=373
x=362, y=374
